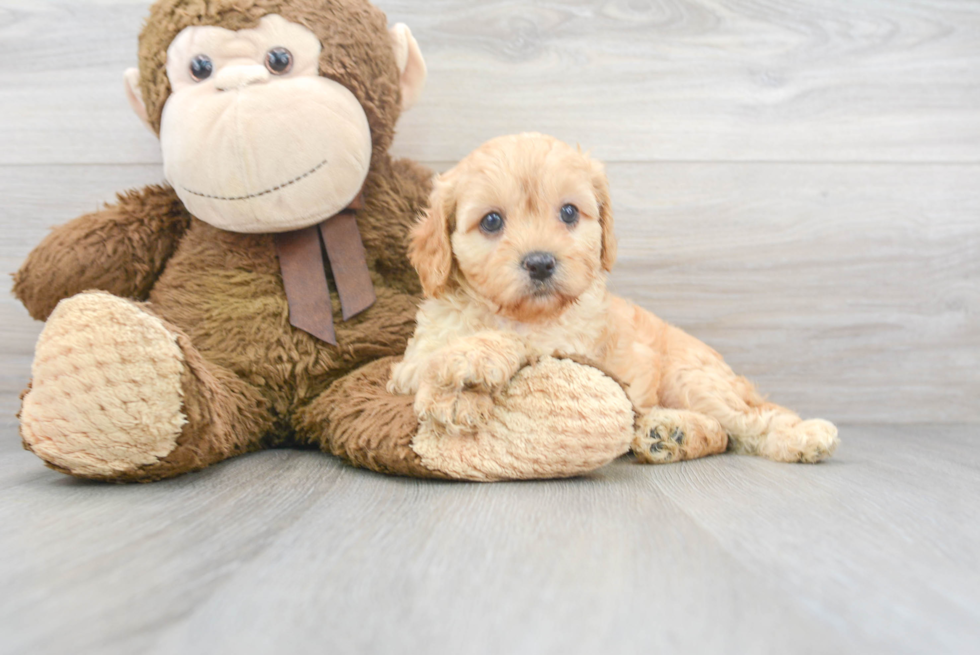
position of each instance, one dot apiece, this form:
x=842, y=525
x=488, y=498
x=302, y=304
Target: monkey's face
x=254, y=139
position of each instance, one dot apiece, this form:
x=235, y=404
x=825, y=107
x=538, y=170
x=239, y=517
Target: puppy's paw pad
x=659, y=445
x=660, y=453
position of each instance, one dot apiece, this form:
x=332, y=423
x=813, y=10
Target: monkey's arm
x=121, y=249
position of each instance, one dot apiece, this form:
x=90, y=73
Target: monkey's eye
x=279, y=61
x=569, y=214
x=492, y=223
x=201, y=68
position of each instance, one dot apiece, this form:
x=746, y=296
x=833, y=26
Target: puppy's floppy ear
x=600, y=184
x=431, y=249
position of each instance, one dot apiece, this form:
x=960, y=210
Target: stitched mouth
x=261, y=193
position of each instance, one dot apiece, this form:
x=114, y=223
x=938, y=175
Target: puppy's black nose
x=540, y=265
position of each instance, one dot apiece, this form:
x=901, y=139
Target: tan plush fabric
x=411, y=64
x=356, y=49
x=107, y=391
x=555, y=419
x=228, y=143
x=559, y=418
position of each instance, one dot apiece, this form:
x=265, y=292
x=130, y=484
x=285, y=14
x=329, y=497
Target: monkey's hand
x=121, y=249
x=460, y=380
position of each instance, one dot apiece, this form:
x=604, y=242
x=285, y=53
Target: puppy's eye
x=492, y=223
x=279, y=61
x=569, y=214
x=201, y=68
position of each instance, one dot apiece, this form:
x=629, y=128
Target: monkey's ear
x=132, y=81
x=411, y=65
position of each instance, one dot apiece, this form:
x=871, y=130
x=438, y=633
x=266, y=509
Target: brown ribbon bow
x=304, y=274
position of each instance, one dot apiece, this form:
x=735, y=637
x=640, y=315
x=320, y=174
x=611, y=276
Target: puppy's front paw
x=458, y=411
x=483, y=362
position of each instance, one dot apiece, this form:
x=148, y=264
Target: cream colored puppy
x=513, y=255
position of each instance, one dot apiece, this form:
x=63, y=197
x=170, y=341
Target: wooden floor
x=293, y=552
x=797, y=182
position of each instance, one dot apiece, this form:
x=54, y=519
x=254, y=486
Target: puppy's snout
x=540, y=265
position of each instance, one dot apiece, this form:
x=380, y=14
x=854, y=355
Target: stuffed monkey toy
x=257, y=298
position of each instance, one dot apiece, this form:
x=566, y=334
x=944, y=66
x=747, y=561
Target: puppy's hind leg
x=755, y=427
x=697, y=378
x=672, y=435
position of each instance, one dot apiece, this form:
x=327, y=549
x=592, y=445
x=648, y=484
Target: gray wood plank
x=293, y=552
x=119, y=563
x=586, y=566
x=685, y=80
x=891, y=523
x=849, y=292
x=64, y=102
x=703, y=80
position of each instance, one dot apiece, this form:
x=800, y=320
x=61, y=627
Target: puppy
x=513, y=255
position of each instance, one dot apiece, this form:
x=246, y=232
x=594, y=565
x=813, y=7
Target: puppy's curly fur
x=513, y=255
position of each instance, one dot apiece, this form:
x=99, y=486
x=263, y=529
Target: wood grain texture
x=294, y=552
x=851, y=291
x=681, y=80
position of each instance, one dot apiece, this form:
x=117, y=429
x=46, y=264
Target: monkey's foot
x=554, y=419
x=671, y=435
x=106, y=393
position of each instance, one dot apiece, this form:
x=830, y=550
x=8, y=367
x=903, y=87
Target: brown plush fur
x=248, y=372
x=367, y=429
x=137, y=236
